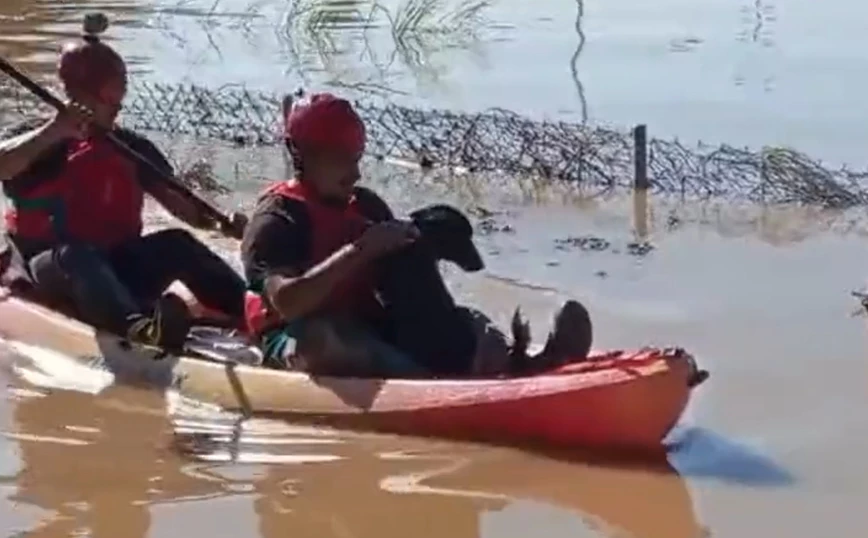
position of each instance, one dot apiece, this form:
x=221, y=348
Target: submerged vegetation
x=331, y=36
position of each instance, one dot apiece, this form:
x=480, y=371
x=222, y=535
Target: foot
x=699, y=377
x=571, y=336
x=167, y=327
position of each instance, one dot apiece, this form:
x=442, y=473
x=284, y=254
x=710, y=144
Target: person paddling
x=76, y=222
x=322, y=255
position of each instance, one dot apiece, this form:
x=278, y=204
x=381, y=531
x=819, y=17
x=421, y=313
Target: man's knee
x=57, y=273
x=56, y=266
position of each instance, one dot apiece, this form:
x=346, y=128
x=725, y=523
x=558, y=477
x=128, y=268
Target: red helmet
x=89, y=64
x=325, y=121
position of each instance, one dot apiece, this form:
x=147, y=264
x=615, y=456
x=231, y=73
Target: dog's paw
x=520, y=328
x=521, y=338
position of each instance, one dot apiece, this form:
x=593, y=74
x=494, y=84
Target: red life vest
x=331, y=229
x=96, y=199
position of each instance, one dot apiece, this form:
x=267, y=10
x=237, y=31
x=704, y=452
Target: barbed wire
x=501, y=141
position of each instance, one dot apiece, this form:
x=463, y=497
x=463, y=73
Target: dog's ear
x=424, y=214
x=442, y=217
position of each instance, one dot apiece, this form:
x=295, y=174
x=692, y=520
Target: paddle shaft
x=34, y=87
x=232, y=377
x=194, y=354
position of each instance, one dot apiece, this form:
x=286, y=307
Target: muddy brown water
x=773, y=444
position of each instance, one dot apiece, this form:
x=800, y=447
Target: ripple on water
x=207, y=434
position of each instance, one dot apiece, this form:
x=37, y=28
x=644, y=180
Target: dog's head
x=449, y=234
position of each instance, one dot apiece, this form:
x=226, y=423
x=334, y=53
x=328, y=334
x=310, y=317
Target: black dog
x=424, y=320
x=449, y=237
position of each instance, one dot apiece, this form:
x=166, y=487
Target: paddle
x=228, y=226
x=228, y=363
x=231, y=375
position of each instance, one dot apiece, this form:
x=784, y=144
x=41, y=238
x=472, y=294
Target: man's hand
x=74, y=122
x=384, y=237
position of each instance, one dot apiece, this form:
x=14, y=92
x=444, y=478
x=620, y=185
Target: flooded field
x=771, y=445
x=748, y=72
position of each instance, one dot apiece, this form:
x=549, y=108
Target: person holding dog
x=340, y=287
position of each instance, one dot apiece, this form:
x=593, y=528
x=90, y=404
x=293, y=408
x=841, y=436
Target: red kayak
x=615, y=400
x=620, y=399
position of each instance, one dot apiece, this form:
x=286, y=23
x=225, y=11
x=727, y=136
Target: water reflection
x=33, y=30
x=574, y=61
x=96, y=464
x=309, y=35
x=422, y=29
x=756, y=19
x=383, y=487
x=357, y=44
x=703, y=453
x=757, y=31
x=647, y=499
x=362, y=45
x=210, y=21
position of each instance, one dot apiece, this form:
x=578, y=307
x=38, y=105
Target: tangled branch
x=497, y=140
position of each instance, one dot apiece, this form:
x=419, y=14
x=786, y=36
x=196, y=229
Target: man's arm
x=275, y=250
x=24, y=145
x=297, y=296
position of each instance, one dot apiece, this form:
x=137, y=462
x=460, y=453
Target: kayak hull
x=618, y=400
